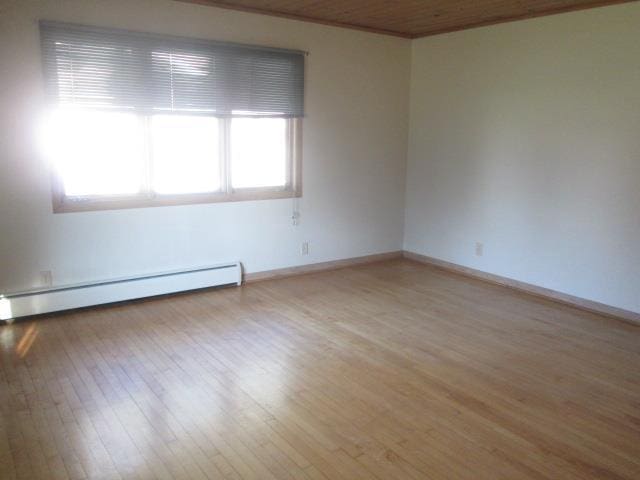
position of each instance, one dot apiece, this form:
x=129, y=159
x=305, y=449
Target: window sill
x=67, y=205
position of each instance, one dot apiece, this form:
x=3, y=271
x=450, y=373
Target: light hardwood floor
x=393, y=370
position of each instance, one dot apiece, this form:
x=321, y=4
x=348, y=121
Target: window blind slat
x=97, y=67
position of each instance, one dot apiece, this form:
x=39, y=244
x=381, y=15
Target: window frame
x=147, y=198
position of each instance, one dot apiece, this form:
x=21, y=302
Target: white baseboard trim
x=578, y=302
x=319, y=267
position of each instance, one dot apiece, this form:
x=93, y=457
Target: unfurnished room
x=319, y=239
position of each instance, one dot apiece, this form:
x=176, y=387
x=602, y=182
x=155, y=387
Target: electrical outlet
x=479, y=249
x=304, y=249
x=46, y=278
x=295, y=218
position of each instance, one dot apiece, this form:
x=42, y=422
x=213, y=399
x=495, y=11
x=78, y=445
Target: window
x=264, y=138
x=143, y=120
x=186, y=154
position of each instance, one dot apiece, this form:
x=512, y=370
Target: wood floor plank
x=392, y=370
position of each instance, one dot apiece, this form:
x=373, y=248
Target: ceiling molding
x=408, y=18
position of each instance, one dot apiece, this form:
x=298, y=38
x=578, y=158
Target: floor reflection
x=26, y=342
x=7, y=337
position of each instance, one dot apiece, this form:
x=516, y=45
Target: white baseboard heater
x=33, y=302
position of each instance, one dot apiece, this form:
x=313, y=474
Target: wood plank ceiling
x=408, y=18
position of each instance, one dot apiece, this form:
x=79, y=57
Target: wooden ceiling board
x=408, y=18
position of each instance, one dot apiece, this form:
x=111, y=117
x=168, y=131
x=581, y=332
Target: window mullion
x=290, y=148
x=226, y=155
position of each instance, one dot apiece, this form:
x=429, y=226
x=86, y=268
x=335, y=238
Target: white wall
x=354, y=152
x=526, y=137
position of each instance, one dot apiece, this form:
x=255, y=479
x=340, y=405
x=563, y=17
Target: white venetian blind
x=121, y=70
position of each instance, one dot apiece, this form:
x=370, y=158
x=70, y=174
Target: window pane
x=96, y=152
x=186, y=157
x=258, y=152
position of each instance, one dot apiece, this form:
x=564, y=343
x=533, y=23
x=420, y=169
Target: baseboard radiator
x=34, y=302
